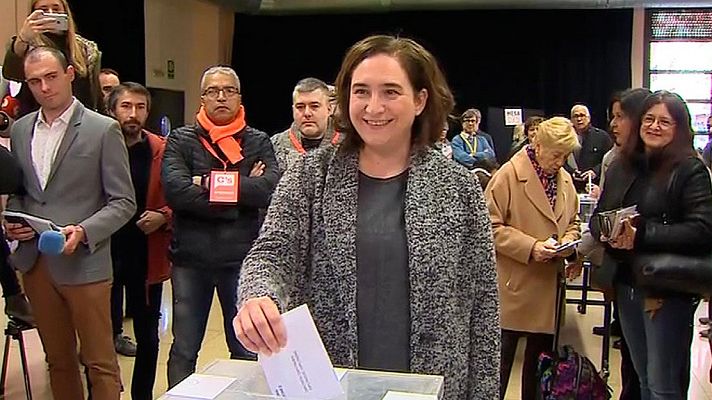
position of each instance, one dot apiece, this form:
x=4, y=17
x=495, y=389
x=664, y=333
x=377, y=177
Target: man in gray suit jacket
x=75, y=173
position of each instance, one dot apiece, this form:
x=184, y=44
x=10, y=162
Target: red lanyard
x=212, y=151
x=298, y=144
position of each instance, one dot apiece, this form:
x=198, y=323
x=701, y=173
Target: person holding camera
x=50, y=23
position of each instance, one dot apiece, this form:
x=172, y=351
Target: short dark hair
x=308, y=85
x=131, y=87
x=423, y=72
x=534, y=120
x=108, y=71
x=34, y=55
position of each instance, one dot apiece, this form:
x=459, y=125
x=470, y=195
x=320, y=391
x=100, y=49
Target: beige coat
x=521, y=215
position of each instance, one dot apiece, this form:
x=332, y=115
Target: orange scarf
x=223, y=135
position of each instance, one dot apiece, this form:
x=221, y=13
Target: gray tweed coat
x=306, y=253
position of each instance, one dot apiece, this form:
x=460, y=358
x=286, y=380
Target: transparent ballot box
x=250, y=383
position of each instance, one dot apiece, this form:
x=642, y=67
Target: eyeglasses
x=469, y=120
x=663, y=123
x=214, y=92
x=577, y=116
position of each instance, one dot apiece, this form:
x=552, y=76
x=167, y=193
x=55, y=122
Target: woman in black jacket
x=660, y=172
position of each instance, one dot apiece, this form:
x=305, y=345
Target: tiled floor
x=576, y=332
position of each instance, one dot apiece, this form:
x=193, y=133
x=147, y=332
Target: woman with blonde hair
x=534, y=207
x=40, y=30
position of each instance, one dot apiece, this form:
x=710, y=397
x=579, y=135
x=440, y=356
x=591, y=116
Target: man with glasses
x=217, y=175
x=472, y=145
x=584, y=164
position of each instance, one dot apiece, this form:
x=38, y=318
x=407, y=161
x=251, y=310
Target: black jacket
x=675, y=213
x=596, y=143
x=9, y=172
x=206, y=235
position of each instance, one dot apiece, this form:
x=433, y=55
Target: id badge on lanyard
x=224, y=185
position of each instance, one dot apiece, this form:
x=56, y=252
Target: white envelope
x=303, y=368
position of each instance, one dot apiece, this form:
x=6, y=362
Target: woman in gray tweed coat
x=388, y=242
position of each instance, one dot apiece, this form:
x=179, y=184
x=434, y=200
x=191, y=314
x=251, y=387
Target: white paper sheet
x=38, y=224
x=408, y=396
x=198, y=386
x=303, y=368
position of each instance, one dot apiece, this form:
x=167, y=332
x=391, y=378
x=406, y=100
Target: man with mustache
x=217, y=174
x=312, y=127
x=139, y=249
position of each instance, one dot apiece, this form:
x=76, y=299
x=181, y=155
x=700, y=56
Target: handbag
x=673, y=272
x=669, y=272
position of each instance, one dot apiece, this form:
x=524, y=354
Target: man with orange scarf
x=217, y=174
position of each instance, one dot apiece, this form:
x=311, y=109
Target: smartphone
x=60, y=22
x=16, y=220
x=567, y=246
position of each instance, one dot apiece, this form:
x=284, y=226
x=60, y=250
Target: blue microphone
x=51, y=243
x=165, y=126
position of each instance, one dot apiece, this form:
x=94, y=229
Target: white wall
x=637, y=56
x=13, y=14
x=195, y=34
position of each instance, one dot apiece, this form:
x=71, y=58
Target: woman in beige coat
x=533, y=205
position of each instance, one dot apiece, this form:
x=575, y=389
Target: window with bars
x=680, y=49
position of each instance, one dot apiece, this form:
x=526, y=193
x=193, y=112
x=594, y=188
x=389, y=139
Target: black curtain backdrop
x=118, y=29
x=541, y=59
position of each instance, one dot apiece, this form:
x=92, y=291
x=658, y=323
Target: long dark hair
x=631, y=102
x=681, y=147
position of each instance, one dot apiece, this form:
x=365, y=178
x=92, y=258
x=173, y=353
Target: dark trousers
x=117, y=306
x=145, y=322
x=144, y=302
x=8, y=279
x=537, y=343
x=193, y=290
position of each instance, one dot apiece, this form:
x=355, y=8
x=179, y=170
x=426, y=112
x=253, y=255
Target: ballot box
x=215, y=382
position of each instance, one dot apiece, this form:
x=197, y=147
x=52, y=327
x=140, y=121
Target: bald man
x=595, y=143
